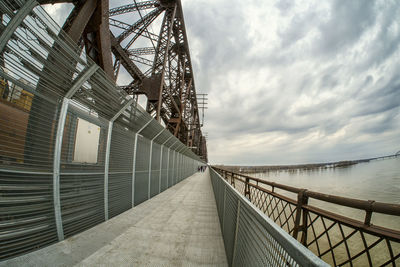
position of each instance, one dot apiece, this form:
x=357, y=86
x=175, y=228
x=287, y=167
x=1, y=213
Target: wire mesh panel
x=183, y=164
x=176, y=167
x=27, y=137
x=251, y=238
x=26, y=212
x=229, y=222
x=141, y=185
x=171, y=169
x=164, y=169
x=120, y=176
x=82, y=201
x=155, y=170
x=26, y=162
x=82, y=172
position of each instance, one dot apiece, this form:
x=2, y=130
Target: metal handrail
x=366, y=205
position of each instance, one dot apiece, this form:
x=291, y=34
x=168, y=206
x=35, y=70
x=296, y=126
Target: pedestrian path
x=178, y=227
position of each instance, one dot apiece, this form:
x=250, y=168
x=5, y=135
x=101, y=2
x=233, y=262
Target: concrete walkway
x=178, y=227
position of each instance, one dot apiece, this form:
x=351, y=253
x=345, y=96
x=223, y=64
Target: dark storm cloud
x=347, y=22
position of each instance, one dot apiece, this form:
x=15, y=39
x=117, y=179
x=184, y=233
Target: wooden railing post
x=301, y=200
x=303, y=227
x=368, y=215
x=247, y=189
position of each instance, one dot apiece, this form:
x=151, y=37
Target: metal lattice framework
x=338, y=240
x=158, y=62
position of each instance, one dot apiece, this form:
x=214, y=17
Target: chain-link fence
x=250, y=237
x=75, y=150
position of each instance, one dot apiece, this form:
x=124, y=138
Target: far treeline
x=266, y=168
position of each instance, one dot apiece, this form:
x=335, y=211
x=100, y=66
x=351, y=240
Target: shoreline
x=310, y=166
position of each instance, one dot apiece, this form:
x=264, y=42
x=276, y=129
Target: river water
x=377, y=180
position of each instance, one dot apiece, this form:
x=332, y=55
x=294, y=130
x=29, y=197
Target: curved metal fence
x=338, y=240
x=75, y=150
x=250, y=237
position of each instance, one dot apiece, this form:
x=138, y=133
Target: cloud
x=305, y=82
x=294, y=81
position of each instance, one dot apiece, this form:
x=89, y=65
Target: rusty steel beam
x=166, y=79
x=121, y=54
x=140, y=25
x=133, y=7
x=79, y=18
x=89, y=21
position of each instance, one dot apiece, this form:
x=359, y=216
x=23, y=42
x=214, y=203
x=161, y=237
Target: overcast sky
x=297, y=81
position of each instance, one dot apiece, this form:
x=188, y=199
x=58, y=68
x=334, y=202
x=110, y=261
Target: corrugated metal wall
x=50, y=188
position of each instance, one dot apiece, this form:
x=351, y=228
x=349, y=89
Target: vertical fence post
x=301, y=200
x=107, y=156
x=78, y=82
x=182, y=176
x=159, y=175
x=106, y=168
x=134, y=168
x=151, y=155
x=134, y=160
x=169, y=150
x=180, y=163
x=174, y=166
x=161, y=160
x=56, y=168
x=305, y=219
x=247, y=188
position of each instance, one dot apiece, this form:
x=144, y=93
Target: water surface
x=377, y=180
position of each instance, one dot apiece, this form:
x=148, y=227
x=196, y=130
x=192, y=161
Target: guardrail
x=336, y=239
x=79, y=151
x=250, y=237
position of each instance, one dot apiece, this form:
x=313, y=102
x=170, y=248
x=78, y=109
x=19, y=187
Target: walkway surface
x=178, y=227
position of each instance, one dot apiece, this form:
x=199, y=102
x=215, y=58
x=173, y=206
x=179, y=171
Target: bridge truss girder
x=161, y=69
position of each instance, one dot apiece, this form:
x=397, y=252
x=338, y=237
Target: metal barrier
x=75, y=150
x=250, y=237
x=338, y=240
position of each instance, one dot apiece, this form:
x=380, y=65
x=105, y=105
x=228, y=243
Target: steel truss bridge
x=146, y=40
